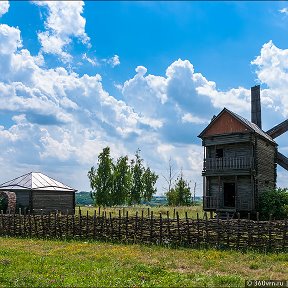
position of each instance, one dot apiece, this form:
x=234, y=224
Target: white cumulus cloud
x=9, y=39
x=4, y=7
x=64, y=21
x=272, y=69
x=114, y=61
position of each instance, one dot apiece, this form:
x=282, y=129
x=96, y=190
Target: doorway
x=229, y=194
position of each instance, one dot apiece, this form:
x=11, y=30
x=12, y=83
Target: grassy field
x=191, y=211
x=42, y=263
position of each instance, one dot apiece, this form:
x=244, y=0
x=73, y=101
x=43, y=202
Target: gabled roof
x=35, y=181
x=249, y=125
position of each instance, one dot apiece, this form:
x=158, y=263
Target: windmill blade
x=282, y=160
x=278, y=129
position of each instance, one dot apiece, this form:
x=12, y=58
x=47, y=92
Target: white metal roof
x=35, y=181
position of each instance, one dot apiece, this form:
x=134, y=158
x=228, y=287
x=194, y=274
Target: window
x=219, y=153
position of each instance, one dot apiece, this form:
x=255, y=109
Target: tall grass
x=132, y=210
x=43, y=263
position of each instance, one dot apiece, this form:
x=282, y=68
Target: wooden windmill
x=240, y=159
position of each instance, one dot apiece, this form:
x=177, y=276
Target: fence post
x=24, y=222
x=35, y=225
x=198, y=230
x=73, y=225
x=142, y=223
x=249, y=230
x=238, y=230
x=20, y=223
x=87, y=224
x=94, y=224
x=178, y=227
x=258, y=227
x=188, y=228
x=284, y=234
x=14, y=224
x=168, y=226
x=2, y=222
x=151, y=227
x=126, y=226
x=119, y=226
x=9, y=223
x=111, y=226
x=49, y=224
x=55, y=224
x=67, y=223
x=102, y=225
x=59, y=228
x=206, y=240
x=42, y=224
x=227, y=223
x=269, y=232
x=218, y=230
x=80, y=223
x=136, y=226
x=161, y=228
x=30, y=225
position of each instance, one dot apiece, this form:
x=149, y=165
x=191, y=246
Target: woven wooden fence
x=140, y=228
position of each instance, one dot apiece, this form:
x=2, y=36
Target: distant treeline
x=84, y=198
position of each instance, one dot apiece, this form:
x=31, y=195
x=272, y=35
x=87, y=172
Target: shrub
x=274, y=202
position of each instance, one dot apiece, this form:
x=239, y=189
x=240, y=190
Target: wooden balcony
x=227, y=163
x=216, y=204
x=210, y=203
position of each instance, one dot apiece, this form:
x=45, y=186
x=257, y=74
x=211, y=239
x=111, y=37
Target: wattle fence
x=140, y=228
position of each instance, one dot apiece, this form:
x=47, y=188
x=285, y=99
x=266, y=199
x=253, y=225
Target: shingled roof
x=35, y=181
x=251, y=126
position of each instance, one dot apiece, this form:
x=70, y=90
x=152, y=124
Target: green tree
x=172, y=197
x=274, y=202
x=122, y=181
x=101, y=179
x=180, y=194
x=149, y=181
x=137, y=186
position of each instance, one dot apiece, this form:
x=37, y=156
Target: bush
x=180, y=195
x=274, y=202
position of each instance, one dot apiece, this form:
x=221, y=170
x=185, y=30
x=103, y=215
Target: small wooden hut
x=39, y=193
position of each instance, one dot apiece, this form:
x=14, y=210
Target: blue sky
x=78, y=76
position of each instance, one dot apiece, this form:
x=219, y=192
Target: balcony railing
x=210, y=202
x=227, y=163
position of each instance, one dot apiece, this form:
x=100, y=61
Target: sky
x=78, y=76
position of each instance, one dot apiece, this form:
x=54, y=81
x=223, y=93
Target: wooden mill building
x=39, y=193
x=240, y=160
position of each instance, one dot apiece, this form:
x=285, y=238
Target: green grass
x=191, y=211
x=43, y=263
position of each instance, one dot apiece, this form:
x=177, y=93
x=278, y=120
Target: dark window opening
x=219, y=153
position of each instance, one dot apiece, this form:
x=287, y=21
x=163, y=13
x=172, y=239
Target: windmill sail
x=282, y=160
x=274, y=132
x=278, y=129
